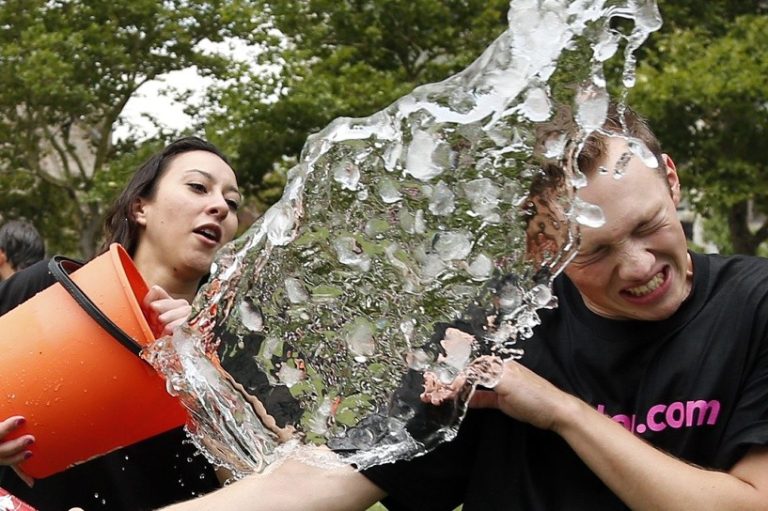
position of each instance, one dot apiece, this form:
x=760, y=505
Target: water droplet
x=289, y=376
x=554, y=147
x=295, y=290
x=421, y=155
x=541, y=295
x=592, y=107
x=537, y=106
x=621, y=165
x=587, y=214
x=359, y=338
x=481, y=267
x=484, y=195
x=350, y=253
x=606, y=45
x=641, y=150
x=441, y=200
x=388, y=191
x=279, y=220
x=412, y=223
x=251, y=316
x=452, y=245
x=347, y=174
x=510, y=299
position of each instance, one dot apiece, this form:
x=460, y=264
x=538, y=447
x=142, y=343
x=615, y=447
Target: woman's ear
x=139, y=211
x=673, y=180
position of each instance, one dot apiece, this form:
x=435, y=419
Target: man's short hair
x=621, y=121
x=22, y=244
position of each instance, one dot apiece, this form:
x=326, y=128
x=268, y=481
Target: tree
x=332, y=58
x=702, y=84
x=67, y=70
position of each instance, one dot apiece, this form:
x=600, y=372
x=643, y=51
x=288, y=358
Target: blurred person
x=177, y=210
x=20, y=246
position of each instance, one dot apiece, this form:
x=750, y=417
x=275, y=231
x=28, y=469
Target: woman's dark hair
x=120, y=224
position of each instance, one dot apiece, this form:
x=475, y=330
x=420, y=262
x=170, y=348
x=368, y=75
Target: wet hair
x=120, y=224
x=596, y=146
x=22, y=244
x=548, y=183
x=626, y=122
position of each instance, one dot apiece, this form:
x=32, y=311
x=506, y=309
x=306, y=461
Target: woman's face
x=191, y=214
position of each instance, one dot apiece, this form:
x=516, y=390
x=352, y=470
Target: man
x=647, y=388
x=20, y=247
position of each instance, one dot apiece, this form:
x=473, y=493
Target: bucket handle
x=57, y=268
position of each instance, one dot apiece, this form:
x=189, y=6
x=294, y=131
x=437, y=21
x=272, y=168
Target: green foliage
x=24, y=195
x=702, y=85
x=346, y=58
x=67, y=69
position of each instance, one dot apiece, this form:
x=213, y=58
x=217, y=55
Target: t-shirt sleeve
x=434, y=481
x=749, y=423
x=23, y=285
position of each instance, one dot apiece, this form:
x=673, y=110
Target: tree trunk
x=90, y=232
x=742, y=239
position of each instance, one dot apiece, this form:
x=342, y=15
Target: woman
x=177, y=211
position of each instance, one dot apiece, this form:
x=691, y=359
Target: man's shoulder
x=737, y=264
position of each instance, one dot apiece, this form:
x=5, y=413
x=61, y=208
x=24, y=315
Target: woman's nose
x=218, y=207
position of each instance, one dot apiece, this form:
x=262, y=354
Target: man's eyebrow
x=209, y=176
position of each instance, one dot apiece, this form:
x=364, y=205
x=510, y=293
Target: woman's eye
x=198, y=187
x=233, y=204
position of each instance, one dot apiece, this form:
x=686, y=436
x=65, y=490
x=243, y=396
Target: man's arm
x=641, y=475
x=292, y=486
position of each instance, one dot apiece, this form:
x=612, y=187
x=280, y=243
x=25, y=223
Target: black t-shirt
x=153, y=473
x=694, y=385
x=23, y=285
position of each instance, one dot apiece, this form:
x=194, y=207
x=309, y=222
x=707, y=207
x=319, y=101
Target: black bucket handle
x=60, y=267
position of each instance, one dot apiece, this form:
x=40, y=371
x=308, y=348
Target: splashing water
x=408, y=253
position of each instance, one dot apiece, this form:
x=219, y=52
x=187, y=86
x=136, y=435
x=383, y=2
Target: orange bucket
x=83, y=393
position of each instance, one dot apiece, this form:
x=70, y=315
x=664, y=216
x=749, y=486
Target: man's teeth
x=651, y=286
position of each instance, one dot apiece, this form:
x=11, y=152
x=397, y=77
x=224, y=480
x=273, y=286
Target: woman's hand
x=163, y=312
x=14, y=451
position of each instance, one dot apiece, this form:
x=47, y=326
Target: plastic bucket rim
x=119, y=257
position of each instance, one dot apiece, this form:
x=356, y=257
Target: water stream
x=408, y=254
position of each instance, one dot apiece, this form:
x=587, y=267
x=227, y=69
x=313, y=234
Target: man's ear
x=3, y=257
x=673, y=180
x=139, y=211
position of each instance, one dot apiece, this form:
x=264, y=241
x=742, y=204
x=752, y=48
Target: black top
x=23, y=285
x=694, y=385
x=150, y=474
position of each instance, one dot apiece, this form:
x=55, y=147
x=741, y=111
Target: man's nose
x=635, y=262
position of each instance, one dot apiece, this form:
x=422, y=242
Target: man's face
x=636, y=266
